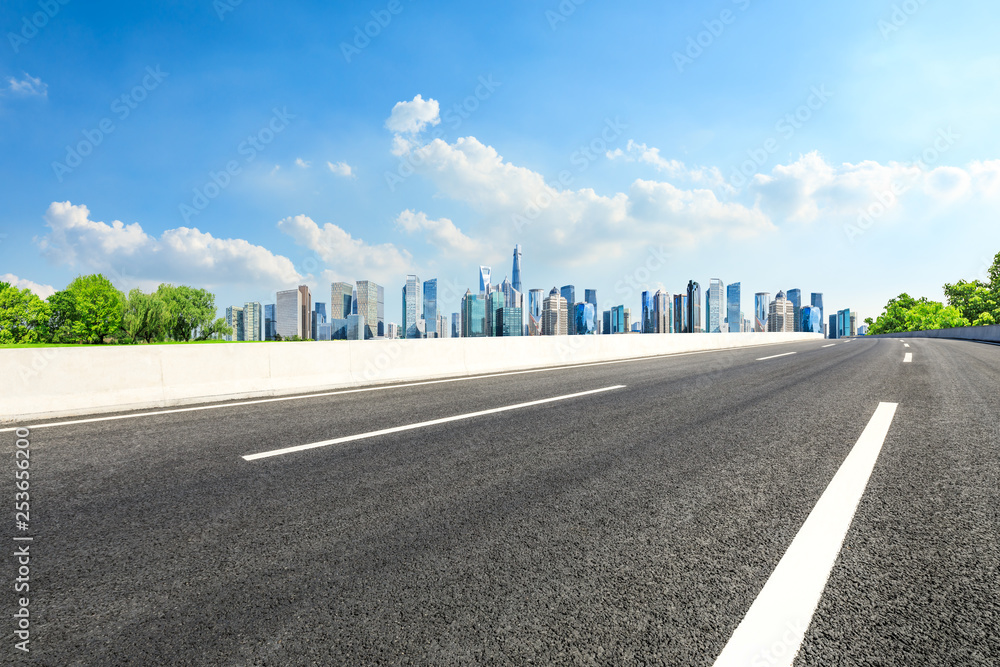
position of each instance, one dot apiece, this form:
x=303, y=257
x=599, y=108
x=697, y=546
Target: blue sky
x=849, y=148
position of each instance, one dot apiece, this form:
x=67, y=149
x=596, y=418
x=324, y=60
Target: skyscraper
x=456, y=325
x=473, y=315
x=680, y=313
x=234, y=318
x=794, y=297
x=412, y=303
x=318, y=319
x=568, y=292
x=516, y=272
x=494, y=302
x=831, y=332
x=431, y=309
x=371, y=306
x=554, y=314
x=816, y=300
x=535, y=300
x=662, y=312
x=484, y=280
x=715, y=307
x=648, y=313
x=590, y=296
x=734, y=315
x=585, y=319
x=618, y=320
x=340, y=300
x=606, y=328
x=844, y=323
x=270, y=321
x=762, y=302
x=294, y=313
x=252, y=321
x=508, y=322
x=811, y=320
x=694, y=307
x=780, y=315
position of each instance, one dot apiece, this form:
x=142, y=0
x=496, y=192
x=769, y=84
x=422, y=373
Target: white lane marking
x=830, y=345
x=906, y=345
x=338, y=392
x=433, y=422
x=908, y=358
x=777, y=355
x=781, y=614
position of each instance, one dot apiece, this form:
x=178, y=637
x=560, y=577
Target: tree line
x=92, y=311
x=970, y=303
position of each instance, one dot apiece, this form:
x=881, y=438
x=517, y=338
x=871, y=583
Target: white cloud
x=413, y=116
x=352, y=259
x=442, y=233
x=181, y=255
x=341, y=169
x=43, y=291
x=636, y=152
x=302, y=163
x=29, y=85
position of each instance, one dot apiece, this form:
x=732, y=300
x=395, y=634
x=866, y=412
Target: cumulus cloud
x=181, y=255
x=352, y=258
x=413, y=116
x=341, y=169
x=302, y=163
x=28, y=86
x=43, y=291
x=441, y=233
x=636, y=152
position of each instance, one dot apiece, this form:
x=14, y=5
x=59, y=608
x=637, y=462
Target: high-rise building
x=794, y=297
x=734, y=314
x=356, y=328
x=554, y=315
x=627, y=319
x=762, y=302
x=318, y=318
x=371, y=306
x=715, y=313
x=234, y=318
x=662, y=312
x=340, y=300
x=456, y=325
x=568, y=292
x=270, y=321
x=780, y=315
x=494, y=302
x=535, y=300
x=443, y=330
x=606, y=328
x=516, y=272
x=816, y=300
x=253, y=320
x=473, y=315
x=508, y=322
x=618, y=320
x=294, y=313
x=484, y=280
x=811, y=320
x=694, y=307
x=854, y=323
x=590, y=296
x=431, y=309
x=680, y=313
x=832, y=332
x=648, y=320
x=585, y=319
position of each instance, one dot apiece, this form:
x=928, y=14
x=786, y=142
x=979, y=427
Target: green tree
x=24, y=316
x=893, y=319
x=219, y=327
x=88, y=311
x=975, y=300
x=933, y=315
x=145, y=317
x=188, y=309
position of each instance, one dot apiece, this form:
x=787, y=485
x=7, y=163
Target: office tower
x=510, y=295
x=484, y=280
x=371, y=306
x=305, y=311
x=535, y=300
x=253, y=321
x=442, y=328
x=780, y=315
x=762, y=301
x=662, y=311
x=234, y=318
x=554, y=315
x=811, y=320
x=816, y=300
x=392, y=330
x=590, y=296
x=831, y=332
x=494, y=302
x=508, y=322
x=568, y=292
x=354, y=301
x=715, y=313
x=733, y=313
x=431, y=309
x=270, y=321
x=648, y=319
x=341, y=295
x=583, y=313
x=293, y=313
x=693, y=323
x=412, y=304
x=456, y=325
x=794, y=297
x=854, y=323
x=606, y=329
x=863, y=330
x=356, y=329
x=516, y=272
x=473, y=315
x=747, y=324
x=680, y=313
x=618, y=320
x=318, y=318
x=628, y=320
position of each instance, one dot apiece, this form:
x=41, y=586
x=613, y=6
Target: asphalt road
x=630, y=526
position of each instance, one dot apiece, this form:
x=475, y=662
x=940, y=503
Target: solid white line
x=378, y=388
x=433, y=422
x=777, y=355
x=908, y=358
x=830, y=345
x=773, y=629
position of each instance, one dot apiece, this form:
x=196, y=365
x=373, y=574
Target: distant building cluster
x=357, y=312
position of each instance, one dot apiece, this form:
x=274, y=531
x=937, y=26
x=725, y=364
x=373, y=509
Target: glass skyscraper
x=606, y=329
x=412, y=302
x=663, y=312
x=234, y=318
x=340, y=300
x=714, y=301
x=535, y=302
x=371, y=306
x=694, y=320
x=811, y=320
x=794, y=297
x=733, y=312
x=816, y=299
x=473, y=315
x=270, y=321
x=508, y=322
x=252, y=320
x=590, y=296
x=680, y=313
x=762, y=301
x=585, y=319
x=618, y=320
x=431, y=309
x=484, y=280
x=516, y=272
x=554, y=315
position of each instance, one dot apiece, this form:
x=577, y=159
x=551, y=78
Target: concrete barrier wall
x=41, y=383
x=988, y=334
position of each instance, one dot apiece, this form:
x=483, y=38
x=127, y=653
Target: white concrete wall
x=41, y=383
